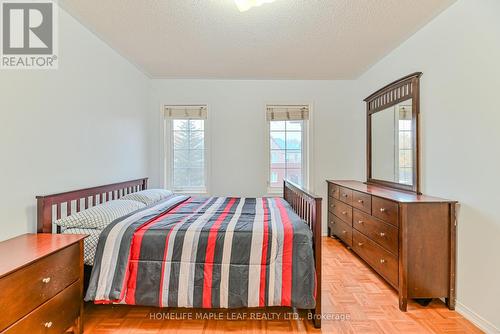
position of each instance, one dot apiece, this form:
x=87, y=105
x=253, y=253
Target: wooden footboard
x=52, y=207
x=308, y=207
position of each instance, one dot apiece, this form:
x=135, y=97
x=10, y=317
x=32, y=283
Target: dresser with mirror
x=407, y=237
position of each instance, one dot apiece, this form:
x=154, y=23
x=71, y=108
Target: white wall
x=459, y=53
x=84, y=124
x=238, y=129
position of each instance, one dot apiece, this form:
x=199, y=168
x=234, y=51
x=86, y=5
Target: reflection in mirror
x=392, y=144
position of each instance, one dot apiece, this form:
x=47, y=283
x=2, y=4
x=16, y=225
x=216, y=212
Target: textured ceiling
x=287, y=39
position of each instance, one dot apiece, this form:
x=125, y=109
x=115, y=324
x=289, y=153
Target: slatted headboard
x=74, y=201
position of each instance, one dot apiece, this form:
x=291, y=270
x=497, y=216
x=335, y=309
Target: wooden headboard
x=77, y=200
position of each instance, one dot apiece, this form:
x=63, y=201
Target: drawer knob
x=360, y=244
x=382, y=260
x=344, y=231
x=344, y=212
x=46, y=280
x=345, y=195
x=360, y=201
x=382, y=234
x=360, y=222
x=382, y=209
x=48, y=324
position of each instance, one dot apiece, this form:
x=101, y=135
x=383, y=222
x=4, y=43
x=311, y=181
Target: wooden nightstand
x=41, y=284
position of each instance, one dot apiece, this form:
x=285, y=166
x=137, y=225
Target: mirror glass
x=392, y=144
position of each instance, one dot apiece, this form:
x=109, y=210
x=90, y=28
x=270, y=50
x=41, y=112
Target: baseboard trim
x=476, y=319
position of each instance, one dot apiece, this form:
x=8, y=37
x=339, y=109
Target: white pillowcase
x=101, y=215
x=149, y=196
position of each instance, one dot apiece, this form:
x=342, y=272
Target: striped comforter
x=215, y=252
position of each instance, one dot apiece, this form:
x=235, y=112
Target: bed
x=201, y=252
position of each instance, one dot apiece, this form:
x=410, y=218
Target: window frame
x=168, y=152
x=306, y=149
x=398, y=149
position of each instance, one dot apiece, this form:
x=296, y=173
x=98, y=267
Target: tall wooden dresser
x=41, y=284
x=409, y=239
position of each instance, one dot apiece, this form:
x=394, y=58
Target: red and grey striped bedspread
x=216, y=252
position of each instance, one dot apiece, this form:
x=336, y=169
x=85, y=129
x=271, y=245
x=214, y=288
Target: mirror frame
x=406, y=88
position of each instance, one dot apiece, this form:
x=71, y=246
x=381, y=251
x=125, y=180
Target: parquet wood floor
x=350, y=288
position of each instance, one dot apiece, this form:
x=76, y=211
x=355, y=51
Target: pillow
x=100, y=215
x=89, y=243
x=149, y=196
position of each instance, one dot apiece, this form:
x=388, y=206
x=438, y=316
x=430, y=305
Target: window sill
x=202, y=192
x=274, y=192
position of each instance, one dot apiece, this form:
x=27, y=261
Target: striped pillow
x=100, y=215
x=149, y=196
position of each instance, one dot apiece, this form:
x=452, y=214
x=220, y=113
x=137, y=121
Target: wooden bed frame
x=52, y=207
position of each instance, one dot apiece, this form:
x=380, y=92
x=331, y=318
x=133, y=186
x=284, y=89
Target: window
x=186, y=167
x=405, y=152
x=287, y=145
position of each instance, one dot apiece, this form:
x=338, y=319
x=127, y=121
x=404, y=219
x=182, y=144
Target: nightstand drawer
x=53, y=317
x=24, y=290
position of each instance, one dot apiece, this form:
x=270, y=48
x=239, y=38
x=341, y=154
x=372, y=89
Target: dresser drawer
x=342, y=231
x=342, y=211
x=385, y=210
x=331, y=204
x=333, y=190
x=382, y=233
x=330, y=223
x=385, y=263
x=330, y=218
x=362, y=201
x=345, y=195
x=53, y=317
x=29, y=287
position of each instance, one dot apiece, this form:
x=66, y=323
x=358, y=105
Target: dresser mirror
x=393, y=135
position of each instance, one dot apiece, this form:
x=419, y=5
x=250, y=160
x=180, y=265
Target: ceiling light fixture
x=244, y=5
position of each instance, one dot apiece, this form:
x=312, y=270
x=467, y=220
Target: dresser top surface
x=20, y=251
x=391, y=194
